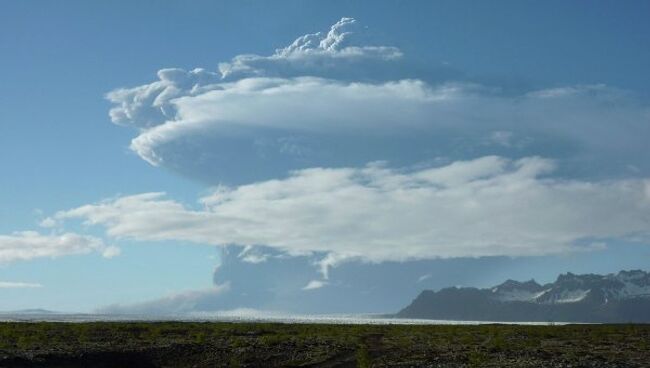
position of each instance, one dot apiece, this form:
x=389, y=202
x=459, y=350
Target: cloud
x=174, y=304
x=346, y=51
x=27, y=245
x=490, y=206
x=253, y=255
x=111, y=251
x=149, y=105
x=19, y=285
x=318, y=55
x=424, y=277
x=315, y=284
x=336, y=89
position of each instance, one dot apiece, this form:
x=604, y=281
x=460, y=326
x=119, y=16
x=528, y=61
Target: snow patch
x=568, y=296
x=519, y=295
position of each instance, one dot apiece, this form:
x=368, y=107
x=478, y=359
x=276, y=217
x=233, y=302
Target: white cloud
x=593, y=121
x=315, y=284
x=424, y=277
x=484, y=207
x=340, y=82
x=304, y=104
x=19, y=285
x=149, y=105
x=111, y=251
x=253, y=255
x=340, y=53
x=27, y=245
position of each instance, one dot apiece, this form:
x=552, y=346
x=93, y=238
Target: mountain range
x=613, y=298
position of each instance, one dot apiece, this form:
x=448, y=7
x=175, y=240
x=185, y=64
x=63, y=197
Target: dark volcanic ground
x=184, y=344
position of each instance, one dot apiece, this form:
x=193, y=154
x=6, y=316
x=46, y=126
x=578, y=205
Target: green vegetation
x=185, y=344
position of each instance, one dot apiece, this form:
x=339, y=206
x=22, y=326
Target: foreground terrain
x=196, y=344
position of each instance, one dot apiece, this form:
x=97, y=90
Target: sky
x=316, y=157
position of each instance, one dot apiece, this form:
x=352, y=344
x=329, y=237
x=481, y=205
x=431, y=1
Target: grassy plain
x=220, y=344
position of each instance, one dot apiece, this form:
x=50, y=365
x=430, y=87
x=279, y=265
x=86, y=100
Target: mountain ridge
x=612, y=298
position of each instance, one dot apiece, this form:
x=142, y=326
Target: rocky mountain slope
x=621, y=297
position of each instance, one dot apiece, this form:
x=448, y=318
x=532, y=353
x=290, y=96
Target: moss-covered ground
x=220, y=344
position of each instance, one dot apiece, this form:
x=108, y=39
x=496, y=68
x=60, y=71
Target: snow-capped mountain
x=512, y=290
x=620, y=297
x=570, y=288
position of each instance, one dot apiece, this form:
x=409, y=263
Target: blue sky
x=503, y=140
